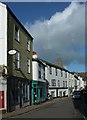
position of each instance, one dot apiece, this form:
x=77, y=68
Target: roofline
x=53, y=65
x=19, y=22
x=38, y=60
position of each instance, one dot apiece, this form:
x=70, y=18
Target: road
x=59, y=108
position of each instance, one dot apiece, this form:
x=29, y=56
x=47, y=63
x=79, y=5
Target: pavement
x=28, y=108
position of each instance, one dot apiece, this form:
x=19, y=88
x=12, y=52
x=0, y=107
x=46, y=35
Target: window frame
x=61, y=73
x=50, y=70
x=56, y=71
x=39, y=70
x=28, y=65
x=58, y=83
x=65, y=74
x=17, y=60
x=28, y=44
x=17, y=34
x=53, y=82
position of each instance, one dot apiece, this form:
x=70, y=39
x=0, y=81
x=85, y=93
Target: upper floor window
x=61, y=73
x=16, y=33
x=39, y=74
x=44, y=72
x=50, y=69
x=56, y=71
x=58, y=83
x=39, y=66
x=28, y=65
x=65, y=74
x=28, y=45
x=17, y=60
x=39, y=70
x=53, y=82
x=63, y=83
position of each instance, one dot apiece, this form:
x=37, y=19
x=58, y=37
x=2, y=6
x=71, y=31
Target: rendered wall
x=3, y=34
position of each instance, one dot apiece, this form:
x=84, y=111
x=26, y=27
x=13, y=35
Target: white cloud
x=63, y=35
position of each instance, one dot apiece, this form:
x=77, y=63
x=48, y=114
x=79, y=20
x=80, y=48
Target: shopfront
x=18, y=93
x=39, y=92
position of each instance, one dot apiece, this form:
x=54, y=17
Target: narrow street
x=59, y=108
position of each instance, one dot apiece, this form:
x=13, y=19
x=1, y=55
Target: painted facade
x=58, y=80
x=13, y=36
x=61, y=81
x=39, y=83
x=3, y=56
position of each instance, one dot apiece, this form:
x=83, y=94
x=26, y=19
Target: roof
x=19, y=22
x=38, y=60
x=53, y=65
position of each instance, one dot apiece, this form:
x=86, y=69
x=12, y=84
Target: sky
x=58, y=29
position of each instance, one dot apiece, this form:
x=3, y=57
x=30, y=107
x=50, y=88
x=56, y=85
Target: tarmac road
x=59, y=108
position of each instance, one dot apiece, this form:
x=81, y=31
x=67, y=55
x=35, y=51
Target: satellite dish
x=12, y=52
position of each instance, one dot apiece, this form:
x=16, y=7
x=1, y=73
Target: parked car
x=76, y=95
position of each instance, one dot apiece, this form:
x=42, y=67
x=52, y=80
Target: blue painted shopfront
x=39, y=92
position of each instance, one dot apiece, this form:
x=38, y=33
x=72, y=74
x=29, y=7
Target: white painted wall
x=3, y=49
x=49, y=77
x=82, y=84
x=3, y=34
x=35, y=69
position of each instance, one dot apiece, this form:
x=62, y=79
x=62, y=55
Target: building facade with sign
x=13, y=36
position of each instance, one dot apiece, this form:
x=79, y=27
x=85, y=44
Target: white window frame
x=50, y=70
x=28, y=44
x=53, y=82
x=28, y=65
x=63, y=83
x=65, y=74
x=17, y=60
x=61, y=73
x=56, y=71
x=17, y=34
x=58, y=83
